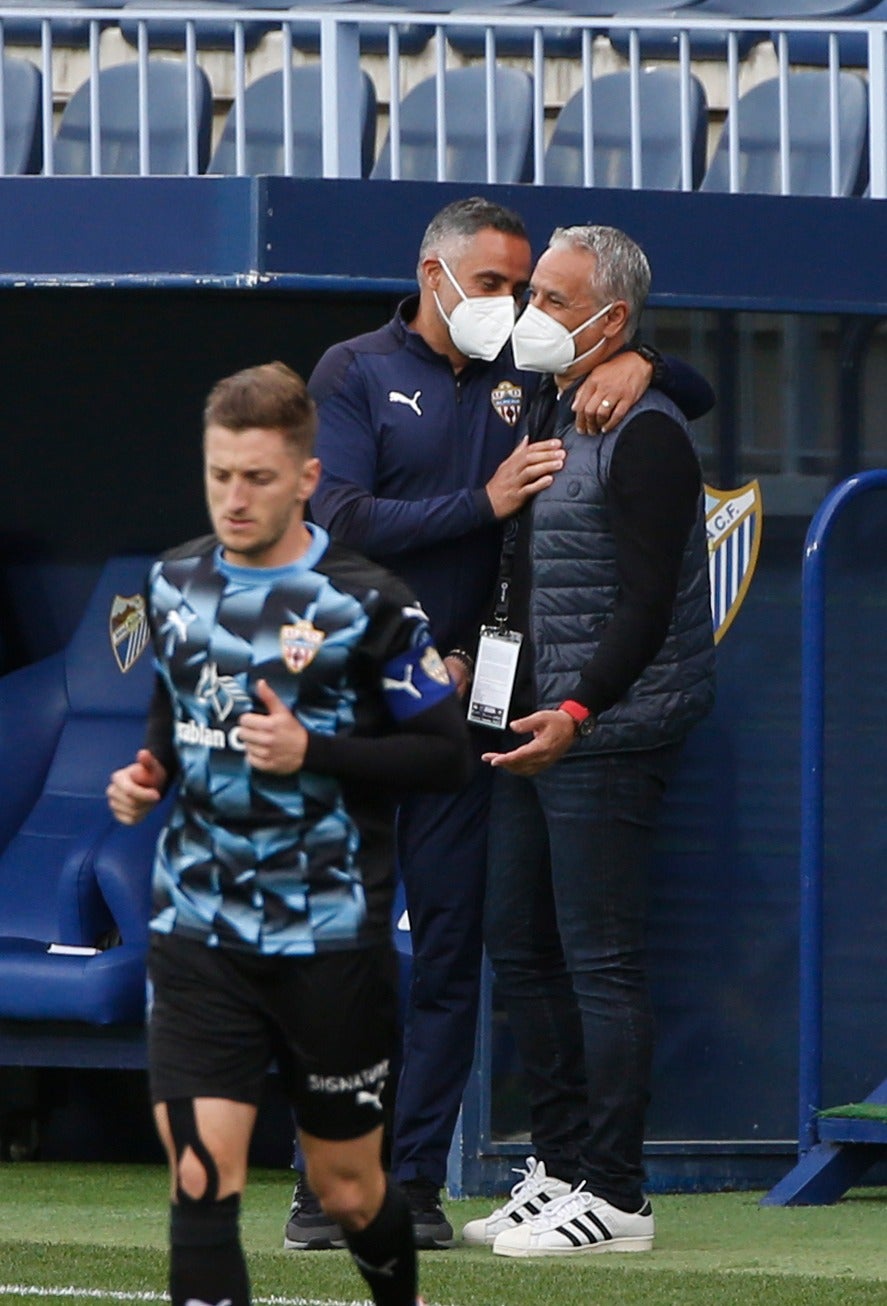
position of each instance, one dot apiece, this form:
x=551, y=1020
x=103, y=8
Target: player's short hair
x=463, y=219
x=622, y=270
x=270, y=397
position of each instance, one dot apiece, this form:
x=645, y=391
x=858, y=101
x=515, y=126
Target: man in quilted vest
x=604, y=592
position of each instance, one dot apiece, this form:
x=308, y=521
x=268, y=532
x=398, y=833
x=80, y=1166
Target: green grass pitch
x=76, y=1233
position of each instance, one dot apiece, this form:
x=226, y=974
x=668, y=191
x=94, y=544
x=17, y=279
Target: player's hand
x=459, y=675
x=526, y=471
x=274, y=741
x=553, y=733
x=135, y=789
x=608, y=392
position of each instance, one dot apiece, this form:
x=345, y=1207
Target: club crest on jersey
x=433, y=665
x=506, y=400
x=299, y=644
x=733, y=520
x=128, y=629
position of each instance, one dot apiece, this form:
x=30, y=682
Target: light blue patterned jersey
x=275, y=864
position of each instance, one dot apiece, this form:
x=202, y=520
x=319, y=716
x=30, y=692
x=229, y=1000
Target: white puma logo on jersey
x=406, y=684
x=395, y=397
x=175, y=628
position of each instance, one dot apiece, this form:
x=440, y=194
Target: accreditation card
x=494, y=673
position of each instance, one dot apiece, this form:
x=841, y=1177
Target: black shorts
x=220, y=1018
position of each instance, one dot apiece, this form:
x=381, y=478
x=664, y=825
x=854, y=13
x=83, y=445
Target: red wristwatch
x=583, y=720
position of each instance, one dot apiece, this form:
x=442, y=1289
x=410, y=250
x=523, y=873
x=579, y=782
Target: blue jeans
x=565, y=920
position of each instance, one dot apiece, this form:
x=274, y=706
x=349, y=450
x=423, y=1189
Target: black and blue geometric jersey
x=281, y=864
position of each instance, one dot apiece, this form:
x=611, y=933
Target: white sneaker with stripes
x=579, y=1224
x=529, y=1196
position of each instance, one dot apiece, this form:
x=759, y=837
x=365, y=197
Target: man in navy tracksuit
x=419, y=439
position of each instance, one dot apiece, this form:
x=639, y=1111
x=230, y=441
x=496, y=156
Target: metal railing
x=341, y=58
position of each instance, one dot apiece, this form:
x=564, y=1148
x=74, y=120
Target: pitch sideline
x=112, y=1294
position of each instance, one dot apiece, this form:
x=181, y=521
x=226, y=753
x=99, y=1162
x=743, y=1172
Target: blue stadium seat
x=660, y=115
x=167, y=91
x=69, y=874
x=517, y=42
x=809, y=128
x=215, y=33
x=713, y=44
x=263, y=126
x=812, y=48
x=466, y=144
x=373, y=40
x=23, y=113
x=72, y=33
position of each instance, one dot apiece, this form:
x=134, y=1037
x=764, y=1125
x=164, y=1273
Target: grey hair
x=621, y=269
x=458, y=222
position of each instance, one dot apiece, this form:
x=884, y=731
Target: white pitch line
x=115, y=1294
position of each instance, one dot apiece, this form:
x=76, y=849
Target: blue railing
x=812, y=790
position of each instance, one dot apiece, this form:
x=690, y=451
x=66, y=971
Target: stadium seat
x=23, y=117
x=517, y=42
x=660, y=126
x=69, y=874
x=466, y=138
x=211, y=33
x=713, y=44
x=118, y=86
x=413, y=37
x=809, y=136
x=263, y=126
x=26, y=27
x=812, y=48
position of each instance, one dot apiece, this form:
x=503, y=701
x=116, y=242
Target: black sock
x=206, y=1262
x=385, y=1253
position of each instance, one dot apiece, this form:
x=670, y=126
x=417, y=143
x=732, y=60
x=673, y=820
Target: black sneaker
x=431, y=1228
x=308, y=1228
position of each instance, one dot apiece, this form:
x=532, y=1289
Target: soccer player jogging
x=297, y=687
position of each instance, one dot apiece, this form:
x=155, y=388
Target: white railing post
x=490, y=84
x=289, y=159
x=587, y=110
x=394, y=100
x=339, y=79
x=440, y=100
x=538, y=106
x=144, y=145
x=877, y=112
x=95, y=103
x=46, y=70
x=191, y=92
x=2, y=103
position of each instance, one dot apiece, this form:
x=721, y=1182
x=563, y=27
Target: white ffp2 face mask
x=479, y=324
x=542, y=344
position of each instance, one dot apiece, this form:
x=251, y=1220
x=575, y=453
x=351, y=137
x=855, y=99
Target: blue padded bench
x=69, y=874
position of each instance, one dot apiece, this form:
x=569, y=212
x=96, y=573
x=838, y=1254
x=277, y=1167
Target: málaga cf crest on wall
x=733, y=525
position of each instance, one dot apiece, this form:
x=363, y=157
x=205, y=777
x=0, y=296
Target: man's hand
x=526, y=471
x=135, y=789
x=276, y=741
x=608, y=392
x=553, y=733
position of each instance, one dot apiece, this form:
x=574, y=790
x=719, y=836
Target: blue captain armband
x=415, y=680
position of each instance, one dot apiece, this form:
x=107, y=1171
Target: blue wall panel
x=124, y=226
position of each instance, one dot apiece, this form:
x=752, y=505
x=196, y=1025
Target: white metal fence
x=341, y=58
